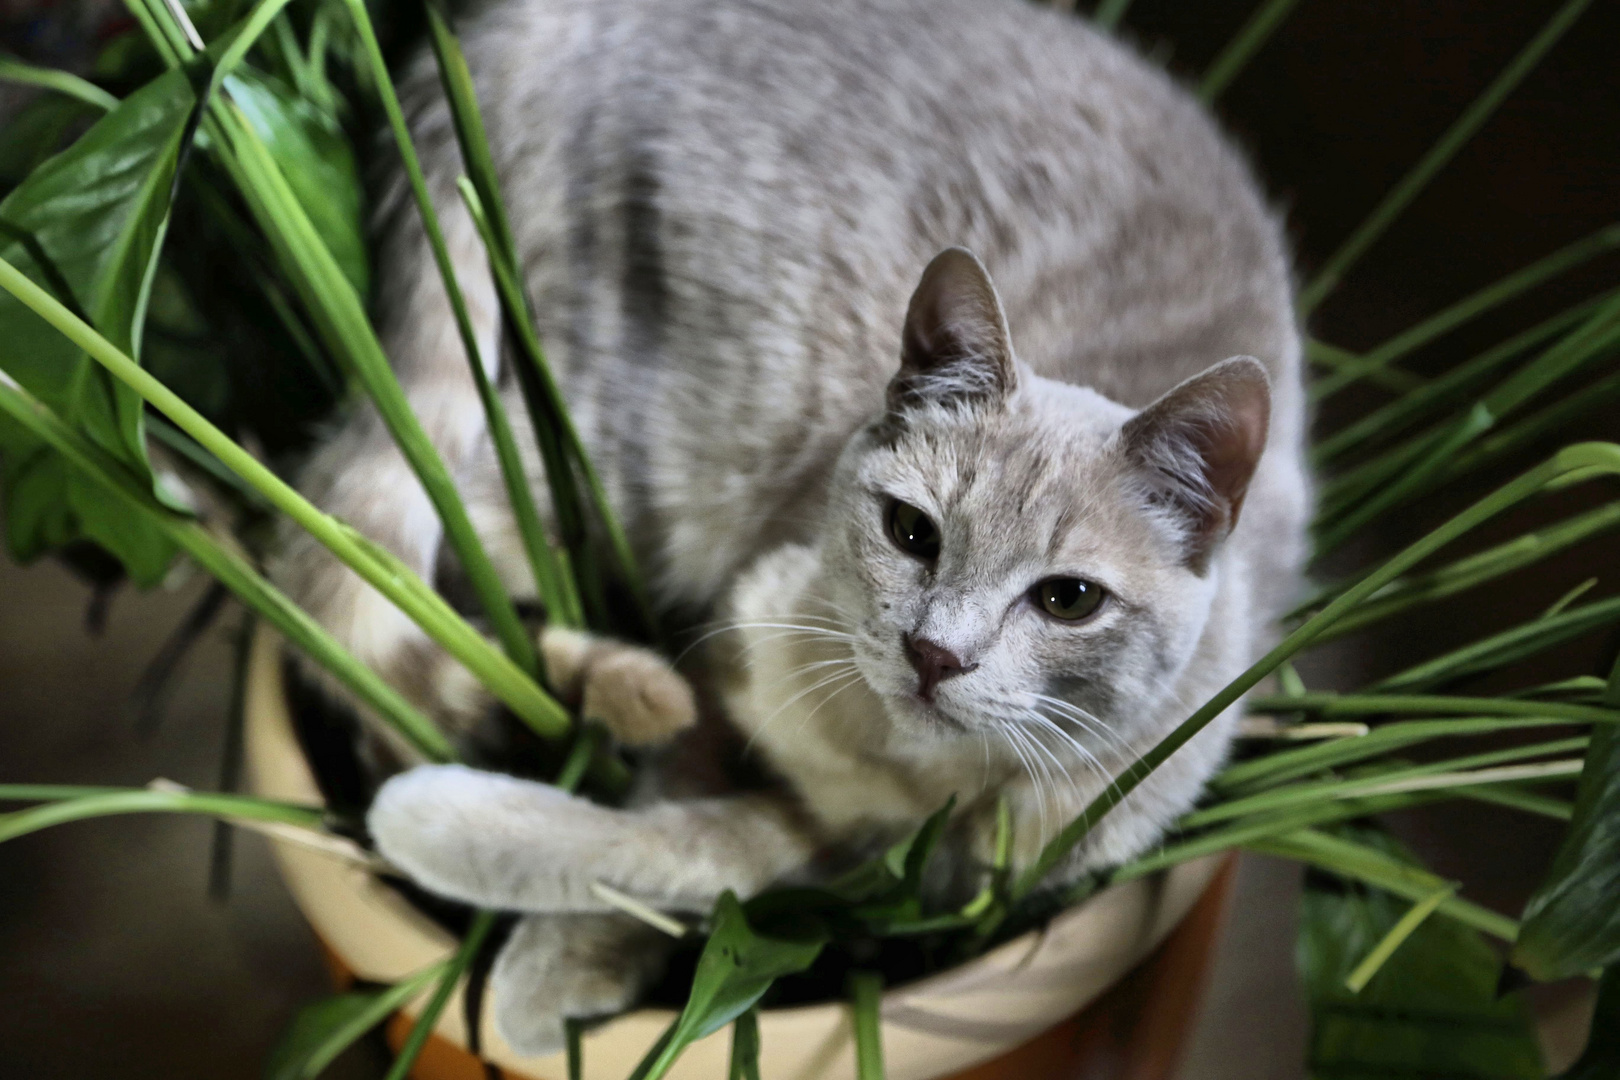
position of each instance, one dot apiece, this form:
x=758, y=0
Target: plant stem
x=1349, y=859
x=561, y=609
x=231, y=570
x=378, y=567
x=1403, y=929
x=866, y=1004
x=455, y=968
x=1582, y=458
x=63, y=82
x=1244, y=44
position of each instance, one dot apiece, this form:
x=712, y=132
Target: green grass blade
x=1110, y=12
x=1334, y=358
x=149, y=801
x=1331, y=704
x=1457, y=772
x=1503, y=648
x=1403, y=929
x=386, y=573
x=1417, y=477
x=1381, y=423
x=745, y=1047
x=1248, y=41
x=332, y=299
x=1362, y=863
x=304, y=1055
x=232, y=571
x=1442, y=322
x=1467, y=573
x=1515, y=798
x=548, y=575
x=1284, y=765
x=1542, y=424
x=555, y=432
x=453, y=971
x=1463, y=129
x=63, y=82
x=1583, y=459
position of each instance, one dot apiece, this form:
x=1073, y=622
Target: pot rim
x=933, y=1026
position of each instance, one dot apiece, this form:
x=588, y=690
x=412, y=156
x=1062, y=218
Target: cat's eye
x=913, y=530
x=1068, y=598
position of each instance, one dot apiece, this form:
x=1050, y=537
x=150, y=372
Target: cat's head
x=1003, y=546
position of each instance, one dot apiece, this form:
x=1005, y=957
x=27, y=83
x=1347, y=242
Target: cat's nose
x=934, y=663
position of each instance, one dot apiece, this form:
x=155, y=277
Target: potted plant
x=234, y=127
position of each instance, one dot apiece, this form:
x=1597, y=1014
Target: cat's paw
x=633, y=691
x=562, y=967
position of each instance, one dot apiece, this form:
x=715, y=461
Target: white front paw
x=491, y=840
x=561, y=967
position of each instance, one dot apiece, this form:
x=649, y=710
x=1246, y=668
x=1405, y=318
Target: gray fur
x=723, y=209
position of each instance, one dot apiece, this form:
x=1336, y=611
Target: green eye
x=913, y=531
x=1068, y=598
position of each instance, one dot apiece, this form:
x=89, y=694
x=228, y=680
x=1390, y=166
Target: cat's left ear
x=955, y=346
x=1196, y=448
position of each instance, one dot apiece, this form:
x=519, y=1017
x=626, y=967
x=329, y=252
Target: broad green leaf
x=87, y=225
x=314, y=155
x=735, y=970
x=1430, y=1011
x=1601, y=1059
x=1572, y=923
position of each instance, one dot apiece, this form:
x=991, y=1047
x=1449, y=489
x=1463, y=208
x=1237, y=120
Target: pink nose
x=934, y=663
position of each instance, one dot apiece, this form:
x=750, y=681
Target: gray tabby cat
x=949, y=567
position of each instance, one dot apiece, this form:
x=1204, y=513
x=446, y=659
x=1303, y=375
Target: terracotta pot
x=932, y=1028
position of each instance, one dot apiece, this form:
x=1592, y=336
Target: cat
x=760, y=238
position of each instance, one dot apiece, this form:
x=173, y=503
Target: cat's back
x=723, y=206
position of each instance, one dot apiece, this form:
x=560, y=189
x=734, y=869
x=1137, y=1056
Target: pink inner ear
x=1201, y=442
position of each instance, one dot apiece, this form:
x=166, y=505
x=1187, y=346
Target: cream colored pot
x=931, y=1028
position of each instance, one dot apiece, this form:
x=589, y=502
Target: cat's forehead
x=1051, y=444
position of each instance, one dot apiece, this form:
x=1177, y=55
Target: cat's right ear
x=1197, y=447
x=955, y=346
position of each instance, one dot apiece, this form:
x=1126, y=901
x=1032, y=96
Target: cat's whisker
x=790, y=702
x=1019, y=742
x=1090, y=722
x=1091, y=760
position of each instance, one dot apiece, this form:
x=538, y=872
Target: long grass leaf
x=1244, y=44
x=1403, y=929
x=555, y=432
x=332, y=298
x=1583, y=459
x=1284, y=765
x=1389, y=419
x=387, y=574
x=149, y=801
x=1331, y=704
x=1472, y=571
x=1470, y=307
x=554, y=587
x=866, y=1004
x=1359, y=862
x=454, y=969
x=1502, y=648
x=63, y=82
x=1463, y=129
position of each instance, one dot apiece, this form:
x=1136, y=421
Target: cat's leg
x=496, y=841
x=570, y=967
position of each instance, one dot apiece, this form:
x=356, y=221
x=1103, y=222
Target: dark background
x=114, y=961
